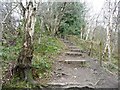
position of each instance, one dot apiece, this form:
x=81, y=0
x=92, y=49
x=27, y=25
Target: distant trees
x=73, y=19
x=50, y=14
x=61, y=17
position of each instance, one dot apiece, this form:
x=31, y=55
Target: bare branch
x=9, y=13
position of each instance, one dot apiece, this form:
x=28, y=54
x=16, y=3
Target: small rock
x=75, y=68
x=95, y=72
x=60, y=74
x=63, y=74
x=74, y=76
x=87, y=80
x=68, y=62
x=94, y=69
x=59, y=69
x=54, y=72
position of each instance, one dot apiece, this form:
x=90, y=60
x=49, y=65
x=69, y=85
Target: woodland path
x=75, y=69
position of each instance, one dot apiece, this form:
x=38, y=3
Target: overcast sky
x=95, y=5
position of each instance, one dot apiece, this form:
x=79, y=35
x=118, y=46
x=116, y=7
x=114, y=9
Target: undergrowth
x=44, y=53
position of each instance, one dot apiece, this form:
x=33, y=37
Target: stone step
x=76, y=50
x=73, y=53
x=81, y=62
x=62, y=39
x=69, y=86
x=66, y=41
x=69, y=43
x=75, y=60
x=56, y=84
x=72, y=47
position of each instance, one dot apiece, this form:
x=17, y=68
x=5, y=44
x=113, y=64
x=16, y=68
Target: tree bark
x=23, y=67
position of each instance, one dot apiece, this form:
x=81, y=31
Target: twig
x=97, y=82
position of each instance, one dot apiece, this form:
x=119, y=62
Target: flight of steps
x=73, y=52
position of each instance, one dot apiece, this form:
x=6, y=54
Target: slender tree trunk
x=82, y=31
x=108, y=40
x=100, y=51
x=25, y=56
x=41, y=31
x=81, y=35
x=87, y=33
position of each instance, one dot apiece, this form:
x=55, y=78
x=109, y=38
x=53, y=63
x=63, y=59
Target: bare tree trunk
x=100, y=51
x=108, y=41
x=82, y=31
x=87, y=32
x=81, y=35
x=23, y=67
x=42, y=29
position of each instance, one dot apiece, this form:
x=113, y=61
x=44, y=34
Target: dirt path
x=76, y=69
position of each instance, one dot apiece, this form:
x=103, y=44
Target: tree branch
x=8, y=14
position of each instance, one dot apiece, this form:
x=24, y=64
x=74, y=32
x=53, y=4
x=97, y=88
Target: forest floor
x=74, y=68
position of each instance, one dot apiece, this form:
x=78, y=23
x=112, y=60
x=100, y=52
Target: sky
x=95, y=5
